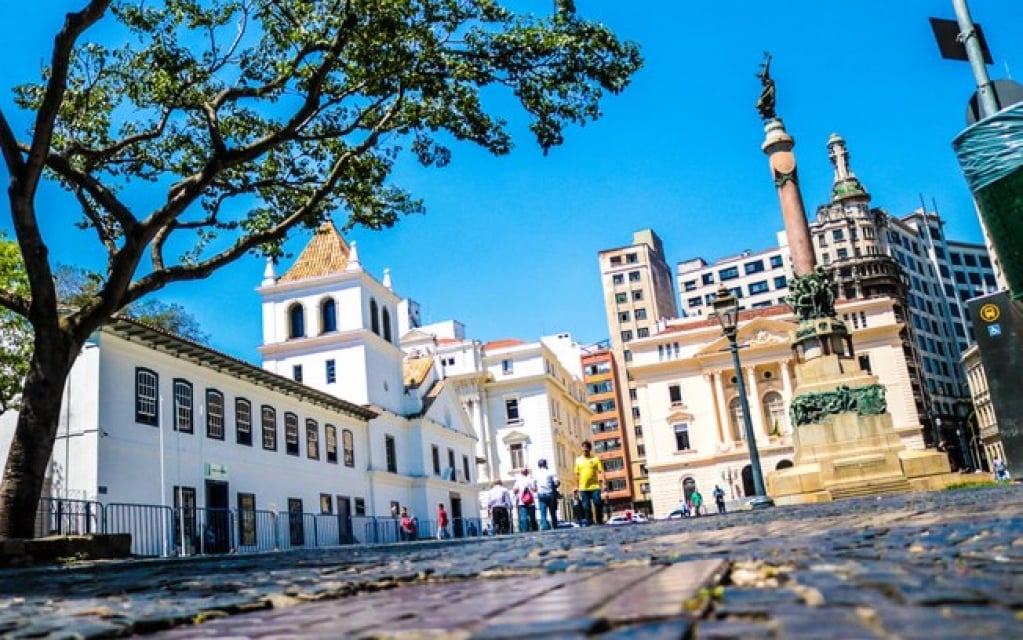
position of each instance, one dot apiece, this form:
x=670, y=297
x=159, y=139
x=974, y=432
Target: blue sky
x=509, y=245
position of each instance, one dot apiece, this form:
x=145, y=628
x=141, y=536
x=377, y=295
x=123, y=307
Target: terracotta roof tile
x=326, y=253
x=415, y=371
x=500, y=344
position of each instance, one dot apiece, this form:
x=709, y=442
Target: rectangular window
x=331, y=372
x=146, y=397
x=780, y=282
x=348, y=446
x=631, y=258
x=214, y=414
x=435, y=455
x=296, y=372
x=642, y=332
x=623, y=316
x=640, y=449
x=695, y=302
x=970, y=260
x=312, y=439
x=511, y=409
x=758, y=287
x=507, y=367
x=638, y=430
x=731, y=273
x=360, y=506
x=616, y=484
x=755, y=266
x=842, y=253
x=682, y=437
x=637, y=295
x=707, y=278
x=326, y=505
x=466, y=477
x=634, y=276
x=615, y=261
x=243, y=421
x=330, y=437
x=517, y=455
x=269, y=428
x=837, y=235
x=626, y=335
x=689, y=285
x=621, y=297
x=617, y=279
x=675, y=393
x=451, y=463
x=183, y=408
x=391, y=453
x=776, y=262
x=640, y=314
x=247, y=519
x=291, y=434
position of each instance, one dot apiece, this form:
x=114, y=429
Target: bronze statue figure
x=765, y=103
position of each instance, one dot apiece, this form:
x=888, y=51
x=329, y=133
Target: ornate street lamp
x=726, y=309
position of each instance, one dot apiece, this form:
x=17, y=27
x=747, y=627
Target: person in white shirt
x=499, y=504
x=547, y=495
x=525, y=491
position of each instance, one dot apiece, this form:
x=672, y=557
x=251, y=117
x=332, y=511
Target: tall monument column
x=844, y=442
x=778, y=145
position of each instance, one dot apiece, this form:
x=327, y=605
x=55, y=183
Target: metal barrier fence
x=67, y=517
x=165, y=531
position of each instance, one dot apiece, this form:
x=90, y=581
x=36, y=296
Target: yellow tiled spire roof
x=326, y=253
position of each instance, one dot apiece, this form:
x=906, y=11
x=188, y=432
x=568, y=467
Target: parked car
x=620, y=519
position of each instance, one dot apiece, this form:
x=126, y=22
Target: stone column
x=778, y=145
x=708, y=378
x=723, y=414
x=756, y=407
x=786, y=385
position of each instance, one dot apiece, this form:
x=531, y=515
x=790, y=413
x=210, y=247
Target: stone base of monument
x=849, y=455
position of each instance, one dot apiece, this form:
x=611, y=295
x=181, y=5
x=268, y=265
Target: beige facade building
x=638, y=293
x=982, y=436
x=688, y=397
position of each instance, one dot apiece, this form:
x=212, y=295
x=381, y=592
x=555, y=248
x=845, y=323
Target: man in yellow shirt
x=589, y=474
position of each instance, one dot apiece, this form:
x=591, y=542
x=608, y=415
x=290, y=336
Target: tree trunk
x=33, y=440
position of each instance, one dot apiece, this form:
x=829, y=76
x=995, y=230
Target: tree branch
x=98, y=192
x=74, y=25
x=10, y=148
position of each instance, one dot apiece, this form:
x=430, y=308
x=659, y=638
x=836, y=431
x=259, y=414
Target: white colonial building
x=690, y=408
x=337, y=422
x=526, y=400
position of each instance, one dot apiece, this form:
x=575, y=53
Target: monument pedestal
x=845, y=443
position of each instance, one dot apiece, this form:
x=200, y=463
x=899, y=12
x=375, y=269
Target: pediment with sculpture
x=759, y=333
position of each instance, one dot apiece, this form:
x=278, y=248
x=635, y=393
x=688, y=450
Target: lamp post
x=726, y=309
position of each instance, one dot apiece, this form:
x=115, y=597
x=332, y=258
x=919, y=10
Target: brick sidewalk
x=940, y=565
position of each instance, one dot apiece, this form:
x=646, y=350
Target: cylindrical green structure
x=991, y=155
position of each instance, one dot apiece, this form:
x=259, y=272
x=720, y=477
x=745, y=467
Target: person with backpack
x=442, y=522
x=525, y=491
x=719, y=498
x=547, y=495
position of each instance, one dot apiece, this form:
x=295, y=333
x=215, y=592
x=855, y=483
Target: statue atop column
x=765, y=103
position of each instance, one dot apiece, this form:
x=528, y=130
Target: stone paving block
x=661, y=594
x=751, y=602
x=659, y=630
x=717, y=630
x=526, y=628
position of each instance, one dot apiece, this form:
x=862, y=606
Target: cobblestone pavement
x=935, y=565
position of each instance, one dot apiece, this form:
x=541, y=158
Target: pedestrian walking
x=719, y=498
x=577, y=508
x=409, y=528
x=499, y=507
x=525, y=491
x=442, y=522
x=697, y=501
x=589, y=472
x=1001, y=470
x=547, y=494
